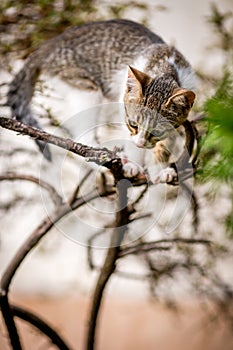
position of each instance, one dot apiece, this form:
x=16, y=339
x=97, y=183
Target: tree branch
x=43, y=326
x=10, y=176
x=122, y=219
x=23, y=251
x=101, y=156
x=149, y=246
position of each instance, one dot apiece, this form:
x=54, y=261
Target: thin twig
x=89, y=248
x=90, y=260
x=194, y=204
x=131, y=207
x=76, y=191
x=148, y=246
x=52, y=191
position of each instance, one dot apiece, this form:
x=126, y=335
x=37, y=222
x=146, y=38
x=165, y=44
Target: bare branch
x=9, y=321
x=131, y=207
x=89, y=248
x=43, y=326
x=149, y=246
x=101, y=156
x=194, y=206
x=76, y=191
x=10, y=176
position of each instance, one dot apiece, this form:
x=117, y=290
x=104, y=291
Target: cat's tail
x=19, y=96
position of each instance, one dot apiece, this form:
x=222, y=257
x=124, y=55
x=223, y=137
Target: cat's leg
x=162, y=152
x=161, y=171
x=131, y=169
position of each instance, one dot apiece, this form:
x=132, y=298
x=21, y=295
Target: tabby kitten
x=129, y=64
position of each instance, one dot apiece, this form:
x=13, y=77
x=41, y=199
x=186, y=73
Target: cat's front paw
x=129, y=168
x=165, y=176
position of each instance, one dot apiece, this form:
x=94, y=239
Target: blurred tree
x=217, y=149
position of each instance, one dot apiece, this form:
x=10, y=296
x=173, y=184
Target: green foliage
x=217, y=150
x=216, y=155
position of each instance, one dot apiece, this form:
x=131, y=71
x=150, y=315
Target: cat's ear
x=136, y=81
x=182, y=97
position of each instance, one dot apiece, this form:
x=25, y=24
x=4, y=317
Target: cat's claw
x=129, y=168
x=123, y=157
x=165, y=176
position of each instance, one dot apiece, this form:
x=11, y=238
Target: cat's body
x=127, y=62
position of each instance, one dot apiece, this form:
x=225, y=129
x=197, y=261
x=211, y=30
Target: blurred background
x=181, y=309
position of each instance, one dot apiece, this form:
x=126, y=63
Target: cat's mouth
x=142, y=142
x=145, y=144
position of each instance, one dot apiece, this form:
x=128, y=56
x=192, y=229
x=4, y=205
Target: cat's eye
x=159, y=133
x=133, y=124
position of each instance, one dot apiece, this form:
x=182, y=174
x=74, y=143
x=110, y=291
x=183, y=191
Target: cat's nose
x=140, y=140
x=140, y=143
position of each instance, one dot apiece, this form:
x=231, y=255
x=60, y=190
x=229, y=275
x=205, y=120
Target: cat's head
x=154, y=107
